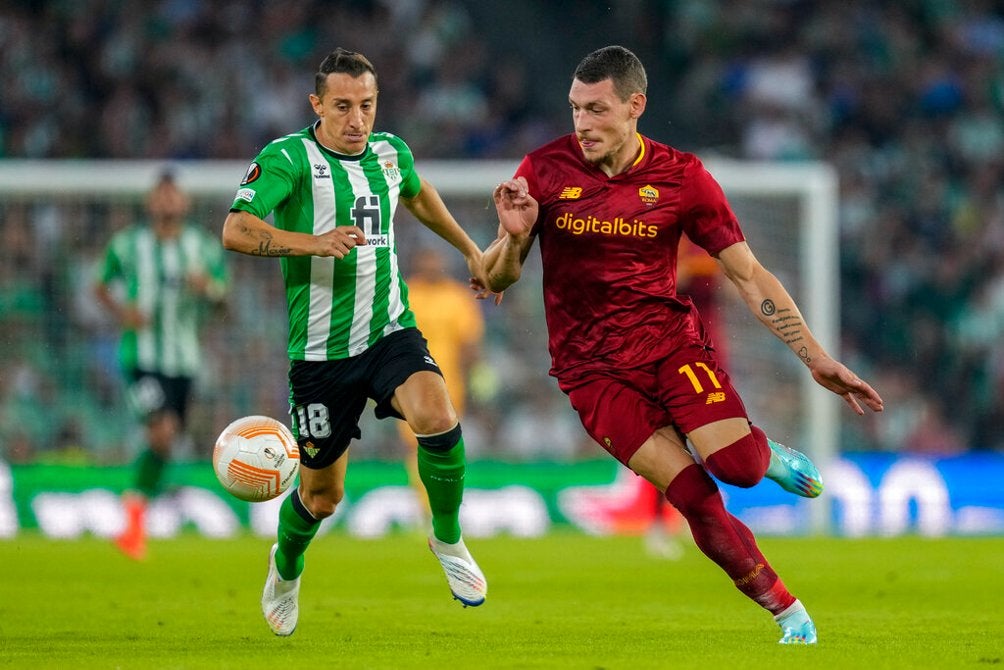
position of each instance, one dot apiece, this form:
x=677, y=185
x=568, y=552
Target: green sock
x=149, y=471
x=441, y=469
x=296, y=529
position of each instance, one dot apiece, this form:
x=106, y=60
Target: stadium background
x=905, y=100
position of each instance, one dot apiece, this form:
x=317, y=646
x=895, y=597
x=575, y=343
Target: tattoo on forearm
x=787, y=324
x=265, y=247
x=803, y=353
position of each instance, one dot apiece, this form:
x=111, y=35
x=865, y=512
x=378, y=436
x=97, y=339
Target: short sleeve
x=706, y=216
x=269, y=180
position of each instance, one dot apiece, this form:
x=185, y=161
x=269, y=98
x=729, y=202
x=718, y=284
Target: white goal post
x=788, y=211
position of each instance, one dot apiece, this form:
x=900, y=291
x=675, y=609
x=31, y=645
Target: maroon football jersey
x=609, y=250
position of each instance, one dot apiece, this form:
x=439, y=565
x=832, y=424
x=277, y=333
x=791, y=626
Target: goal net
x=61, y=384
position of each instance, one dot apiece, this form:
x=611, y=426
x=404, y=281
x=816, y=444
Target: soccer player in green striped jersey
x=157, y=280
x=333, y=189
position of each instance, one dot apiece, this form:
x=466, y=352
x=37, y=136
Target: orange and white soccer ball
x=256, y=458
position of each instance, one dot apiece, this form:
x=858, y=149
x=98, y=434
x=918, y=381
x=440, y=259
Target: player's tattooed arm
x=788, y=325
x=246, y=233
x=267, y=245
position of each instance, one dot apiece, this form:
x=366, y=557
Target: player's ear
x=637, y=103
x=315, y=102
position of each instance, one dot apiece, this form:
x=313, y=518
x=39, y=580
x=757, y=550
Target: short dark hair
x=616, y=63
x=343, y=61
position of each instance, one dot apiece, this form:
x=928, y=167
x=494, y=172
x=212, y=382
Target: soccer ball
x=256, y=458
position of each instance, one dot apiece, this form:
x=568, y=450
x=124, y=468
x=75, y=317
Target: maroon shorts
x=620, y=409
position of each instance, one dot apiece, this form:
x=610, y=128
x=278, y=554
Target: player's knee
x=742, y=463
x=443, y=440
x=322, y=503
x=434, y=423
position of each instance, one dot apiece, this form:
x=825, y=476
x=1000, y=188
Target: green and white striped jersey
x=153, y=274
x=337, y=308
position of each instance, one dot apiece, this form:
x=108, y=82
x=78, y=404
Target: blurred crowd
x=905, y=98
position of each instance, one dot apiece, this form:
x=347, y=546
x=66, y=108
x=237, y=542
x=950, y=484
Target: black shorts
x=327, y=398
x=151, y=393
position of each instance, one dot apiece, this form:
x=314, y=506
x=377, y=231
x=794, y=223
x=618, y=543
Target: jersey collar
x=331, y=152
x=641, y=150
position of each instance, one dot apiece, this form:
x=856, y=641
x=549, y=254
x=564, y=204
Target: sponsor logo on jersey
x=648, y=194
x=254, y=171
x=590, y=224
x=246, y=194
x=391, y=171
x=321, y=171
x=570, y=193
x=378, y=240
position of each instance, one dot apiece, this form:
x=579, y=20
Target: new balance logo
x=570, y=193
x=718, y=396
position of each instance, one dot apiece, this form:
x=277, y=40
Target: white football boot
x=279, y=601
x=466, y=581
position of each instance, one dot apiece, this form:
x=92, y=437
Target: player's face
x=604, y=124
x=167, y=203
x=347, y=110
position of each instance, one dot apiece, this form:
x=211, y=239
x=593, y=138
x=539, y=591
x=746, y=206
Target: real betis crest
x=391, y=171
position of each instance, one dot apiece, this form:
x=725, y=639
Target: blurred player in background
x=158, y=279
x=608, y=207
x=334, y=187
x=454, y=328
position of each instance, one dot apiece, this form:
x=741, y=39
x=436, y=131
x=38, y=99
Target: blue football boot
x=793, y=471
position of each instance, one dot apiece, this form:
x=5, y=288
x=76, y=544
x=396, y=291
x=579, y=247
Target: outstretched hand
x=836, y=377
x=482, y=292
x=478, y=281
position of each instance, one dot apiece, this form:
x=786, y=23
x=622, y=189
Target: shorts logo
x=608, y=443
x=570, y=193
x=254, y=171
x=428, y=359
x=311, y=450
x=648, y=194
x=246, y=194
x=717, y=396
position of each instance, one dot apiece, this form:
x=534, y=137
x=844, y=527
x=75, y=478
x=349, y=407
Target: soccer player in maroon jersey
x=608, y=207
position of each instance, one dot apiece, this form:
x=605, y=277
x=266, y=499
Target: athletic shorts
x=620, y=409
x=151, y=393
x=327, y=398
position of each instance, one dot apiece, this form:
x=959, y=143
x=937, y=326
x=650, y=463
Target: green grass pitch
x=563, y=601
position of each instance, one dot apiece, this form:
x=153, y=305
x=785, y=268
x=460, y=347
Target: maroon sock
x=725, y=539
x=742, y=463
